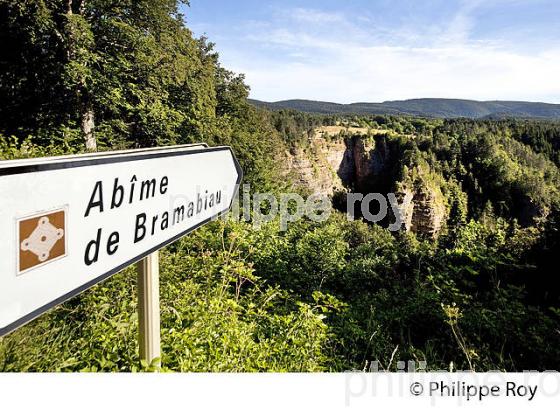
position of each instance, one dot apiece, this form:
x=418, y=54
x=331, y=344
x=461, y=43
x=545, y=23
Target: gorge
x=367, y=164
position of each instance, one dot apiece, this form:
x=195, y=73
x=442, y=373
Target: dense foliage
x=427, y=107
x=125, y=73
x=327, y=296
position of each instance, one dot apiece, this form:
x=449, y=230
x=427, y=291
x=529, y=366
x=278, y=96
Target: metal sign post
x=148, y=309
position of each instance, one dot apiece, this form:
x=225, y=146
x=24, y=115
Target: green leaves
x=329, y=296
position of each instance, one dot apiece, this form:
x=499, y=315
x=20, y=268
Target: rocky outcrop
x=422, y=209
x=363, y=165
x=429, y=213
x=340, y=159
x=372, y=165
x=324, y=167
x=363, y=152
x=406, y=207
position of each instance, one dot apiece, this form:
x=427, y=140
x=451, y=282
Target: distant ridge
x=425, y=107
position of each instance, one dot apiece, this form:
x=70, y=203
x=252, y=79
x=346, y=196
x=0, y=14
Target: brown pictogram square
x=42, y=238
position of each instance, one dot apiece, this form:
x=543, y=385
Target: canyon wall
x=367, y=164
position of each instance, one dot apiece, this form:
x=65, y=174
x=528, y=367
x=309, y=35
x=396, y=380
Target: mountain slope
x=427, y=107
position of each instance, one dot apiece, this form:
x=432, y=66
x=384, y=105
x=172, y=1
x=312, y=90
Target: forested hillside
x=481, y=293
x=425, y=107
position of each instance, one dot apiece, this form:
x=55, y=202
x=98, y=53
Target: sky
x=380, y=50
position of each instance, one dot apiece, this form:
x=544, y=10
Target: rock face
x=324, y=167
x=361, y=164
x=363, y=153
x=371, y=159
x=429, y=213
x=406, y=208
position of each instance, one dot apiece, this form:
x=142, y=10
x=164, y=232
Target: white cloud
x=383, y=73
x=345, y=65
x=315, y=16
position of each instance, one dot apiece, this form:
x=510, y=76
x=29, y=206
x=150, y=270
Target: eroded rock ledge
x=367, y=164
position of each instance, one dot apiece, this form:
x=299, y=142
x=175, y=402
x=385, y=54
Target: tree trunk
x=87, y=125
x=87, y=115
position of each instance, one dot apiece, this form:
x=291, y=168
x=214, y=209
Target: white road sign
x=70, y=222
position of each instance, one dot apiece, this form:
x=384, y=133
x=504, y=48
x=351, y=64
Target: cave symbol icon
x=42, y=239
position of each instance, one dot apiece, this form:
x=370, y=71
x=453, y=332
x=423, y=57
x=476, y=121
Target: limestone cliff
x=322, y=167
x=423, y=209
x=367, y=164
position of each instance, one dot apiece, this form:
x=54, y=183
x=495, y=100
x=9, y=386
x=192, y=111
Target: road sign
x=70, y=222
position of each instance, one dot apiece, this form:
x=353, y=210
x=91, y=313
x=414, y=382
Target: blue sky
x=350, y=51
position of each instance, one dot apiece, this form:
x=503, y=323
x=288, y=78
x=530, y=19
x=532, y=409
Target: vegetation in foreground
x=325, y=296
